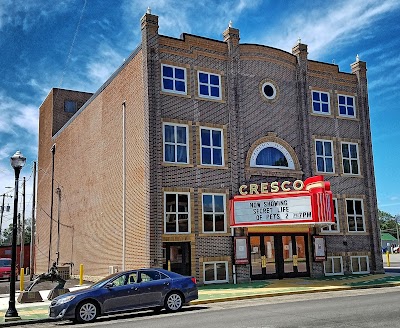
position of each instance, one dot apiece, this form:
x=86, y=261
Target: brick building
x=141, y=173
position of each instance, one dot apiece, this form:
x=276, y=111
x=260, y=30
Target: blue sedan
x=126, y=291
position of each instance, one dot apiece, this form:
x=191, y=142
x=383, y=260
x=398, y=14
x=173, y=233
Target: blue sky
x=78, y=44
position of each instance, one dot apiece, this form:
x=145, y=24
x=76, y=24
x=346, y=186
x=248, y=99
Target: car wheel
x=86, y=312
x=173, y=302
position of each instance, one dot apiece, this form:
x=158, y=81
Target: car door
x=154, y=285
x=123, y=294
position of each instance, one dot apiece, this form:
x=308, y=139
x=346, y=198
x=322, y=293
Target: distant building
x=197, y=155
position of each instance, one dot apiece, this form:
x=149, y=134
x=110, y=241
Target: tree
x=387, y=222
x=6, y=238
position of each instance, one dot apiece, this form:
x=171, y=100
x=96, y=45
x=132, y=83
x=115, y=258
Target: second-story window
x=209, y=85
x=324, y=156
x=173, y=79
x=350, y=158
x=212, y=151
x=176, y=149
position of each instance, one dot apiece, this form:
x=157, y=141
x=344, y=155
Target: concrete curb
x=233, y=298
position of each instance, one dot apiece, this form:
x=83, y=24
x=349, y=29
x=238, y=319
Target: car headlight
x=65, y=299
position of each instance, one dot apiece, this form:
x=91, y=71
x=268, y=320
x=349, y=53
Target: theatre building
x=223, y=160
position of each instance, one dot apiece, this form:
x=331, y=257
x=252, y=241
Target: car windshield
x=5, y=263
x=102, y=281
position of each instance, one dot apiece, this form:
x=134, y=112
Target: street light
x=17, y=162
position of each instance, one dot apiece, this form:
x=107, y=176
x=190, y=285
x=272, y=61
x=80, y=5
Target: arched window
x=271, y=155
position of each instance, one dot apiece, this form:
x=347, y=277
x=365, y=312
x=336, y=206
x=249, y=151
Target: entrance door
x=279, y=256
x=177, y=258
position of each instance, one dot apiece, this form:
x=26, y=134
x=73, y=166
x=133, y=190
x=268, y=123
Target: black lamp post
x=17, y=162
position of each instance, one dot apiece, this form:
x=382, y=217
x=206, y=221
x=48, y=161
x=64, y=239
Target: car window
x=5, y=263
x=152, y=275
x=120, y=281
x=132, y=278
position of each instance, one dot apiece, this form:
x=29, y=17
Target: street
x=356, y=308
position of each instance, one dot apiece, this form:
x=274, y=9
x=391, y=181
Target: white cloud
x=104, y=64
x=341, y=22
x=17, y=117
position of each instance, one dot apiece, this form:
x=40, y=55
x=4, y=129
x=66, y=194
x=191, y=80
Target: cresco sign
x=287, y=202
x=265, y=187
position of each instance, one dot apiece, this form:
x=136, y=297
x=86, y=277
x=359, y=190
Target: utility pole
x=21, y=250
x=1, y=215
x=33, y=224
x=397, y=230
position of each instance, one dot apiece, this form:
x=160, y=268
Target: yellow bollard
x=81, y=274
x=388, y=258
x=21, y=280
x=169, y=265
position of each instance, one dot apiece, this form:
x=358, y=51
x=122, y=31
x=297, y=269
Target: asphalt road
x=368, y=308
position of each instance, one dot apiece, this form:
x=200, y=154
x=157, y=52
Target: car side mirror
x=109, y=285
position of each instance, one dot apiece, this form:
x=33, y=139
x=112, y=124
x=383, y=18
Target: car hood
x=75, y=292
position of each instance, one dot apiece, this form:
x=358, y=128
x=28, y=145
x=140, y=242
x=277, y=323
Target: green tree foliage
x=387, y=222
x=6, y=238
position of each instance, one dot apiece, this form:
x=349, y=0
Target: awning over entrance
x=312, y=204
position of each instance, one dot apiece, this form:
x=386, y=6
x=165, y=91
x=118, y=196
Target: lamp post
x=17, y=162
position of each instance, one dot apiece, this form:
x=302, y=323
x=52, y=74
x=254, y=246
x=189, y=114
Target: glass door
x=278, y=256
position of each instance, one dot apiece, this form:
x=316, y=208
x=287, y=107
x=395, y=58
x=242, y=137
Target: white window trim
x=358, y=261
x=175, y=143
x=324, y=156
x=209, y=86
x=215, y=281
x=363, y=215
x=331, y=258
x=212, y=147
x=349, y=158
x=173, y=80
x=273, y=88
x=260, y=147
x=330, y=230
x=329, y=103
x=213, y=213
x=354, y=106
x=176, y=232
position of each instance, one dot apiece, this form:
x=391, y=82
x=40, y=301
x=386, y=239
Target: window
x=215, y=272
x=70, y=106
x=333, y=266
x=177, y=218
x=359, y=264
x=214, y=213
x=350, y=158
x=324, y=156
x=268, y=90
x=176, y=148
x=355, y=215
x=333, y=227
x=320, y=102
x=173, y=79
x=346, y=106
x=271, y=155
x=212, y=151
x=209, y=85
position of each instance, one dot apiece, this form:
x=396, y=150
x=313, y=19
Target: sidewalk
x=38, y=312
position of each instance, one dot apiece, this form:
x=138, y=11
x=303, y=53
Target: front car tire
x=86, y=312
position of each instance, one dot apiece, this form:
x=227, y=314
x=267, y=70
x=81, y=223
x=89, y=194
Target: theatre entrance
x=279, y=256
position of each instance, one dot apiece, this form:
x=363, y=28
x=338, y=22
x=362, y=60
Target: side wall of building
x=89, y=171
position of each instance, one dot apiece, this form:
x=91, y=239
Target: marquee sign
x=312, y=204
